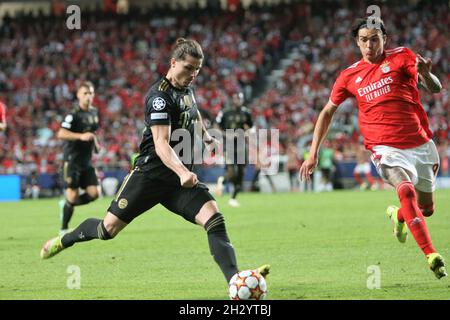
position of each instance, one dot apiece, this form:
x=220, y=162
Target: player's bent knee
x=406, y=191
x=206, y=212
x=104, y=232
x=93, y=194
x=71, y=198
x=111, y=226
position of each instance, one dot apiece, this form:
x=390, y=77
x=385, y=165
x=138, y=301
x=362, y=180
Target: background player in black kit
x=159, y=176
x=235, y=117
x=77, y=131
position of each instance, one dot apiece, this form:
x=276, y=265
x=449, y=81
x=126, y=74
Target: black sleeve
x=157, y=109
x=70, y=122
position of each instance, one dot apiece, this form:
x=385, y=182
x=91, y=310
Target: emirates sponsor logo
x=374, y=86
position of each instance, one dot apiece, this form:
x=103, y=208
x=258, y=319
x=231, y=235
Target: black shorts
x=79, y=177
x=140, y=192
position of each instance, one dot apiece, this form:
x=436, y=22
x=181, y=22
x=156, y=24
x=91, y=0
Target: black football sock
x=89, y=229
x=220, y=246
x=83, y=199
x=237, y=189
x=67, y=214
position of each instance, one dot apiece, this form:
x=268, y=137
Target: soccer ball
x=247, y=285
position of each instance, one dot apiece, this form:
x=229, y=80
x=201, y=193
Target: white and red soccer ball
x=247, y=285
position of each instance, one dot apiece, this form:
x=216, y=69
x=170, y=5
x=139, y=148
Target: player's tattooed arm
x=161, y=137
x=428, y=80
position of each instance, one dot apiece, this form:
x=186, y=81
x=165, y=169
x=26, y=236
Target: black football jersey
x=167, y=105
x=80, y=121
x=234, y=119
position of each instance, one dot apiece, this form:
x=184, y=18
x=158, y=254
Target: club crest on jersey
x=123, y=203
x=385, y=67
x=159, y=103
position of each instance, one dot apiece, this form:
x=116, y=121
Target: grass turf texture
x=320, y=246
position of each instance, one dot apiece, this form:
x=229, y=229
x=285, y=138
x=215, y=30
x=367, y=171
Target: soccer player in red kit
x=394, y=126
x=2, y=117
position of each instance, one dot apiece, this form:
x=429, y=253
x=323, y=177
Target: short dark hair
x=185, y=47
x=361, y=23
x=85, y=84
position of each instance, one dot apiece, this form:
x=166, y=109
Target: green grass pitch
x=320, y=246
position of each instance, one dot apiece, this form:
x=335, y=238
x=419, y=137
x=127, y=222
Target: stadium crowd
x=325, y=48
x=40, y=64
x=41, y=60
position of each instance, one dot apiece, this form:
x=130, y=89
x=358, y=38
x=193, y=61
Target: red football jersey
x=390, y=112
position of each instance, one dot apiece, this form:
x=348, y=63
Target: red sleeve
x=410, y=63
x=339, y=92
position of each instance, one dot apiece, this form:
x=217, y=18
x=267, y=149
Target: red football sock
x=358, y=178
x=413, y=216
x=370, y=178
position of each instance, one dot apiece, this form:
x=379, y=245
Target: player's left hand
x=423, y=64
x=307, y=168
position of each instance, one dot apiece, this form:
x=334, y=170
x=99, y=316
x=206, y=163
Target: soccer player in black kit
x=77, y=131
x=235, y=117
x=159, y=176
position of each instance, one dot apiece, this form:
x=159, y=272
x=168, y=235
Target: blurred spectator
x=58, y=8
x=32, y=188
x=3, y=125
x=326, y=166
x=123, y=56
x=40, y=64
x=293, y=165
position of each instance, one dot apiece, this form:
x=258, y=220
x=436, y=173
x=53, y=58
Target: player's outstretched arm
x=161, y=135
x=320, y=132
x=429, y=80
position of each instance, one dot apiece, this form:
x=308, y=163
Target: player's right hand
x=212, y=144
x=87, y=136
x=307, y=168
x=188, y=180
